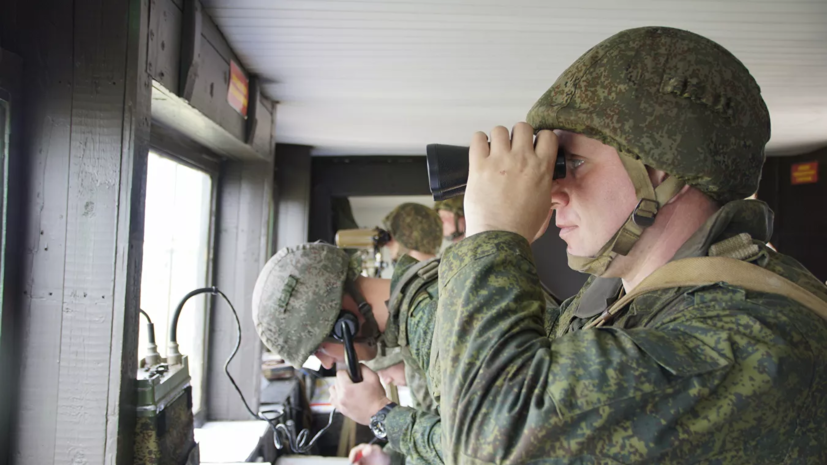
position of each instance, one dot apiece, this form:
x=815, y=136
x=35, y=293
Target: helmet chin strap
x=650, y=200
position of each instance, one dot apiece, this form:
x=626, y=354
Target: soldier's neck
x=676, y=223
x=376, y=292
x=420, y=256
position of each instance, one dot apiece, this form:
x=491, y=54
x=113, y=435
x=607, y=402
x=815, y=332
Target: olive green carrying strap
x=424, y=276
x=404, y=290
x=701, y=271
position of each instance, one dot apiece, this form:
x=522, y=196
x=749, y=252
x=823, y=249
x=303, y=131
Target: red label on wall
x=238, y=92
x=805, y=173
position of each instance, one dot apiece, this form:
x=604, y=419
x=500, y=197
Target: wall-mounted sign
x=805, y=173
x=239, y=90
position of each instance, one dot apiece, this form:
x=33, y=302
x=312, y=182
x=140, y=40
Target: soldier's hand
x=371, y=454
x=509, y=182
x=359, y=401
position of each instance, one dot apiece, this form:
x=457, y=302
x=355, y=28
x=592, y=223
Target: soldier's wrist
x=377, y=421
x=379, y=405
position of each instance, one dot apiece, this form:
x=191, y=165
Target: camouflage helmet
x=668, y=99
x=415, y=227
x=453, y=205
x=675, y=100
x=297, y=299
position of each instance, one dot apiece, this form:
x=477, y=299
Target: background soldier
x=415, y=230
x=303, y=293
x=452, y=215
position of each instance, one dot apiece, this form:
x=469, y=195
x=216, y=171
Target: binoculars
x=362, y=238
x=448, y=169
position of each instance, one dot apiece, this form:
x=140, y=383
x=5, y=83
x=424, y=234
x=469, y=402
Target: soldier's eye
x=573, y=163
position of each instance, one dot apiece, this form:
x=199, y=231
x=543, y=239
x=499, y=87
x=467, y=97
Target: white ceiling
x=389, y=77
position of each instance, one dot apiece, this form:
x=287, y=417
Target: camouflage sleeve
x=418, y=386
x=512, y=395
x=396, y=457
x=416, y=434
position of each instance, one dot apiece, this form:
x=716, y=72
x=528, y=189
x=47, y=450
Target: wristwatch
x=377, y=421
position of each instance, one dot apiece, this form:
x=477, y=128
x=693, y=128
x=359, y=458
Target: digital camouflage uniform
x=415, y=381
x=712, y=374
x=414, y=432
x=415, y=227
x=706, y=375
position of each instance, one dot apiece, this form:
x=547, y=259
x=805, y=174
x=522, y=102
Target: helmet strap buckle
x=644, y=213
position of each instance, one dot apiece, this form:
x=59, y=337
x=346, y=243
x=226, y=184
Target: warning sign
x=805, y=173
x=238, y=93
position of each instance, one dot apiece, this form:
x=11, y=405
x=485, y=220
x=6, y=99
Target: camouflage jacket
x=711, y=374
x=417, y=432
x=414, y=432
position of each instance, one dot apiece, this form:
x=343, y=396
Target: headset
x=344, y=331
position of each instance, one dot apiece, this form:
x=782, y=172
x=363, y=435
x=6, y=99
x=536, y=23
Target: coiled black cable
x=298, y=443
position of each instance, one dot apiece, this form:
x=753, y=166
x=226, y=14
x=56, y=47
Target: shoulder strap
x=396, y=334
x=422, y=278
x=415, y=271
x=710, y=270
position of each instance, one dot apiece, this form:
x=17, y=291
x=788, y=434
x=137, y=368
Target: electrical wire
x=298, y=443
x=173, y=328
x=150, y=336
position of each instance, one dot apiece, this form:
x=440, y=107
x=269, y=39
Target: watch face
x=378, y=430
x=377, y=422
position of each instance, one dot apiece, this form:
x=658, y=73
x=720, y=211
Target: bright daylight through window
x=176, y=259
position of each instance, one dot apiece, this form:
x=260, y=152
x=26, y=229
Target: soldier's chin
x=573, y=249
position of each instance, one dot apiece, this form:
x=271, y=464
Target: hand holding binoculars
x=448, y=169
